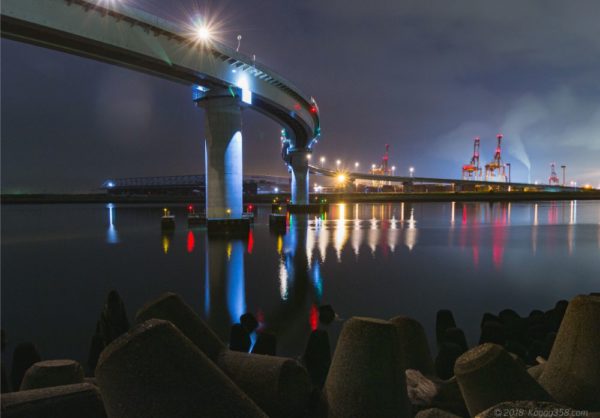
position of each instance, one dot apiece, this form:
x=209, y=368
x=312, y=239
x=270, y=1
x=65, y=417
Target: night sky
x=422, y=76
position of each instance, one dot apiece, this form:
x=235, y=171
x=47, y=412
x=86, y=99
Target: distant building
x=188, y=185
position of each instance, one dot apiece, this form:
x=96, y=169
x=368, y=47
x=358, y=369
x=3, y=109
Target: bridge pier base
x=223, y=157
x=299, y=172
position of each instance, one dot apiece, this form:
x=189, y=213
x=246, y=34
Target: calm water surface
x=380, y=260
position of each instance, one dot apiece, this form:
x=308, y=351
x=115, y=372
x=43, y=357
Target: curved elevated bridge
x=223, y=81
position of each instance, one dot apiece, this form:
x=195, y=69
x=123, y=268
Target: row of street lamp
x=338, y=163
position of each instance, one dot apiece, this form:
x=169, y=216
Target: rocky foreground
x=171, y=364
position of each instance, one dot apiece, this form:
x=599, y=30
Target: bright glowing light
x=356, y=164
x=338, y=162
x=308, y=156
x=341, y=179
x=244, y=84
x=276, y=189
x=203, y=33
x=373, y=166
x=110, y=184
x=322, y=160
x=393, y=168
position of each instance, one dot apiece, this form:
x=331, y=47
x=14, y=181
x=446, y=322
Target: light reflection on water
x=376, y=260
x=382, y=231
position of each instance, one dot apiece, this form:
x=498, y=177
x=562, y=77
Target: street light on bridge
x=393, y=169
x=203, y=33
x=411, y=170
x=322, y=161
x=337, y=163
x=356, y=165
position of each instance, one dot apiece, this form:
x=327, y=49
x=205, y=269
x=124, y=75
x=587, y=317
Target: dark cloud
x=423, y=76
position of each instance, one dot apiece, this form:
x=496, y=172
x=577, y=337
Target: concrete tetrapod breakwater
x=25, y=355
x=44, y=374
x=154, y=371
x=170, y=307
x=488, y=375
x=572, y=373
x=67, y=401
x=366, y=377
x=317, y=357
x=280, y=386
x=413, y=344
x=172, y=364
x=435, y=413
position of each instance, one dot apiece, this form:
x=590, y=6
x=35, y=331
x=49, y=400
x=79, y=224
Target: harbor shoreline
x=9, y=199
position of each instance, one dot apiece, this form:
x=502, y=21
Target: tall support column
x=299, y=166
x=223, y=157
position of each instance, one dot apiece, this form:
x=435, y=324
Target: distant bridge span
x=428, y=180
x=224, y=81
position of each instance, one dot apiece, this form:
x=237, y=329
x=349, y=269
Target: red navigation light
x=499, y=136
x=190, y=208
x=250, y=208
x=313, y=109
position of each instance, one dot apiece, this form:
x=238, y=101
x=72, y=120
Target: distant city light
x=308, y=156
x=110, y=184
x=356, y=164
x=276, y=189
x=411, y=171
x=338, y=162
x=341, y=179
x=322, y=160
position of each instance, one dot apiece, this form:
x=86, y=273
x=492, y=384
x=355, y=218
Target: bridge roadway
x=223, y=81
x=429, y=180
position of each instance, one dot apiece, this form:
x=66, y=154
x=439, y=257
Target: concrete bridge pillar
x=223, y=156
x=299, y=170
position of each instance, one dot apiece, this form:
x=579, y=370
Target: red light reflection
x=250, y=241
x=314, y=317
